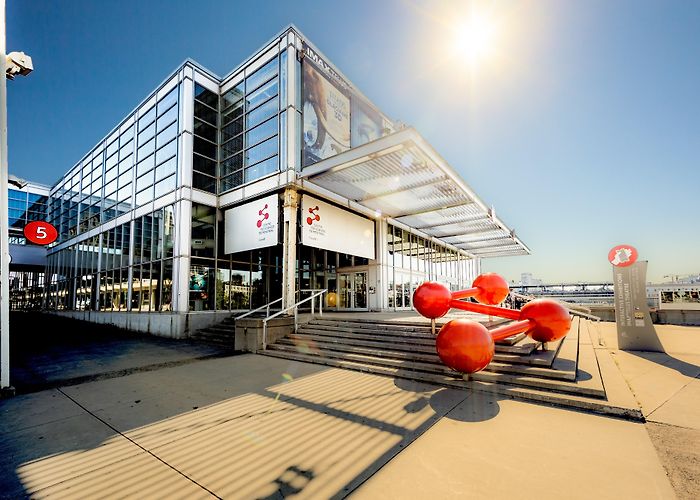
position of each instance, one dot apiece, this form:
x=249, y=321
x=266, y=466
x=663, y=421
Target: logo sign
x=40, y=232
x=332, y=228
x=253, y=225
x=623, y=255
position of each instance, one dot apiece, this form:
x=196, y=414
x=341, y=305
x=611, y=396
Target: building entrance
x=352, y=291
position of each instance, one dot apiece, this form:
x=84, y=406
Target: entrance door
x=352, y=290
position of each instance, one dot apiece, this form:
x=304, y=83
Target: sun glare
x=474, y=38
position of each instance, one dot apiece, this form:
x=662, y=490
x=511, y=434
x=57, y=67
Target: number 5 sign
x=40, y=232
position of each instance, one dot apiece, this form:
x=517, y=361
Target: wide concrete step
x=378, y=330
x=436, y=367
x=497, y=365
x=524, y=348
x=591, y=404
x=537, y=358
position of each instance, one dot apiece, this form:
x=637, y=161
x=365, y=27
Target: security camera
x=18, y=63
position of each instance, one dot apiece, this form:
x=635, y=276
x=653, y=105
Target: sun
x=474, y=38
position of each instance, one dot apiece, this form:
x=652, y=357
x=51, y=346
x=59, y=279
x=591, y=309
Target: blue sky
x=583, y=129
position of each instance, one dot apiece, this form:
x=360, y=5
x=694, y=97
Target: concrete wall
x=172, y=325
x=249, y=332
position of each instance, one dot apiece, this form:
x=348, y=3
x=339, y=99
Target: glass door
x=352, y=291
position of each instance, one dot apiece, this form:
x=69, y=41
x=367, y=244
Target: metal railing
x=314, y=293
x=573, y=308
x=266, y=306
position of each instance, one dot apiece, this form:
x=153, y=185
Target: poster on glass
x=326, y=115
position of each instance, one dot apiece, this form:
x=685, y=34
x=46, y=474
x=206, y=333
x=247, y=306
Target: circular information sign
x=40, y=232
x=623, y=255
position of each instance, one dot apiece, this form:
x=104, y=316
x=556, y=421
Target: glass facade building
x=213, y=195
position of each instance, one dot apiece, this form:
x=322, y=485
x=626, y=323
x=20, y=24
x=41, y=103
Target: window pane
x=204, y=147
x=232, y=146
x=166, y=135
x=261, y=151
x=165, y=169
x=165, y=186
x=205, y=96
x=261, y=169
x=232, y=113
x=261, y=113
x=233, y=96
x=167, y=101
x=205, y=130
x=268, y=90
x=202, y=164
x=203, y=182
x=145, y=165
x=147, y=118
x=165, y=120
x=166, y=152
x=262, y=131
x=205, y=113
x=232, y=129
x=232, y=181
x=261, y=75
x=231, y=164
x=146, y=134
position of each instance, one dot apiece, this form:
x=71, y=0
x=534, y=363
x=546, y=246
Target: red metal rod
x=501, y=312
x=503, y=332
x=463, y=294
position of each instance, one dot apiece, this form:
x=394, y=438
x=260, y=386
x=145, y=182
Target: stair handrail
x=577, y=309
x=315, y=293
x=259, y=309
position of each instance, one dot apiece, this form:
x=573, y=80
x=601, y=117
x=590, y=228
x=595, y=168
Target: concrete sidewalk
x=259, y=427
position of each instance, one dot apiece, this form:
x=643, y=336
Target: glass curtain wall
x=250, y=117
x=133, y=166
x=139, y=266
x=206, y=118
x=411, y=260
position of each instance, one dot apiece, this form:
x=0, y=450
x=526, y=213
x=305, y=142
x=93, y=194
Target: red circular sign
x=623, y=255
x=40, y=232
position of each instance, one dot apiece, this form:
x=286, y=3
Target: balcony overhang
x=402, y=177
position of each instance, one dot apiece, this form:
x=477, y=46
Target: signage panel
x=253, y=225
x=331, y=228
x=635, y=330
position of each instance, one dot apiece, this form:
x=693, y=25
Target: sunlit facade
x=162, y=215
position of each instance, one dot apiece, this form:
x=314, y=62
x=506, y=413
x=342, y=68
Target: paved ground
x=667, y=387
x=50, y=351
x=256, y=427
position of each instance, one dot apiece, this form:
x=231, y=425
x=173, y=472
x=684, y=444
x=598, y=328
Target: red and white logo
x=40, y=232
x=263, y=214
x=314, y=216
x=623, y=255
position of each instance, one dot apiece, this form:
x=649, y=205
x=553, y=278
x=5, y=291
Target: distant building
x=27, y=261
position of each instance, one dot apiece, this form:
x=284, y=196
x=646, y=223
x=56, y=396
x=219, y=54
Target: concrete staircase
x=565, y=374
x=221, y=334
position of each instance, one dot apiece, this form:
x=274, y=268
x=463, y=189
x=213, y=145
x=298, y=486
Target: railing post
x=312, y=305
x=320, y=304
x=264, y=339
x=296, y=325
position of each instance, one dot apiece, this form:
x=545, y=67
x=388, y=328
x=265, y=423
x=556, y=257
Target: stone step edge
x=408, y=346
x=540, y=396
x=521, y=380
x=308, y=328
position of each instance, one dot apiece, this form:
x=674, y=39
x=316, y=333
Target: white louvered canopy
x=403, y=177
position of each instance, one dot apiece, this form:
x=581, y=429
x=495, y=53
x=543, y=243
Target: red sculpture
x=467, y=346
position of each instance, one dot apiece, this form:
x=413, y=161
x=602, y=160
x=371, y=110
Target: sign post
x=635, y=330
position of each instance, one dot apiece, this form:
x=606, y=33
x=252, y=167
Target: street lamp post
x=12, y=64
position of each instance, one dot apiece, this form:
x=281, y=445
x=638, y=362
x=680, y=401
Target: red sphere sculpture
x=465, y=345
x=432, y=299
x=491, y=288
x=551, y=320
